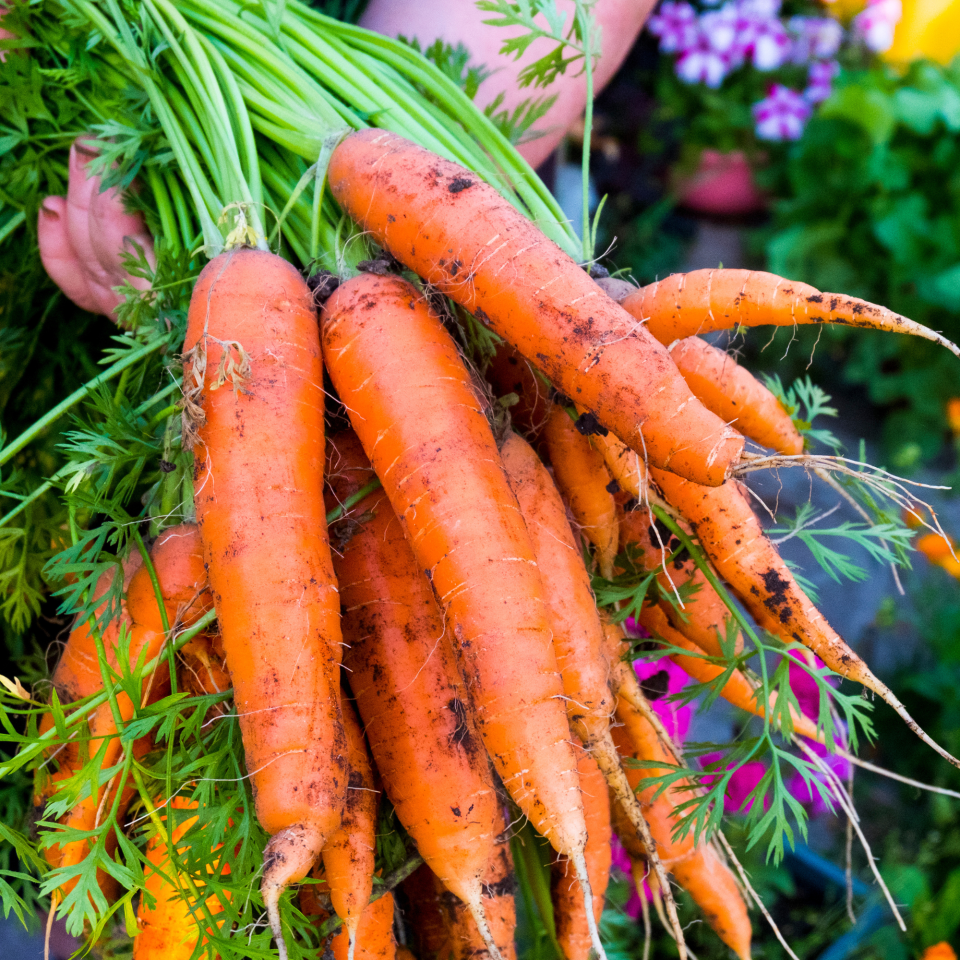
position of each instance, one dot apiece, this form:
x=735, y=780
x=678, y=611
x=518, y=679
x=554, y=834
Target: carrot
x=204, y=670
x=568, y=905
x=465, y=239
x=735, y=395
x=587, y=487
x=708, y=881
x=509, y=372
x=258, y=476
x=737, y=689
x=577, y=631
x=704, y=618
x=167, y=929
x=685, y=304
x=349, y=852
x=730, y=534
x=413, y=703
x=423, y=896
x=178, y=564
x=626, y=466
x=410, y=401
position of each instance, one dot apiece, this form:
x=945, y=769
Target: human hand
x=84, y=236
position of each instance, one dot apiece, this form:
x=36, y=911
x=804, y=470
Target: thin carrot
x=409, y=693
x=626, y=466
x=204, y=669
x=587, y=487
x=704, y=618
x=411, y=404
x=685, y=304
x=737, y=689
x=178, y=565
x=257, y=478
x=735, y=395
x=730, y=534
x=348, y=856
x=568, y=906
x=578, y=634
x=167, y=929
x=463, y=238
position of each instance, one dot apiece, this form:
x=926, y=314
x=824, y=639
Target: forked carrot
x=573, y=934
x=459, y=234
x=409, y=694
x=731, y=536
x=253, y=381
x=411, y=403
x=685, y=304
x=735, y=395
x=587, y=487
x=348, y=856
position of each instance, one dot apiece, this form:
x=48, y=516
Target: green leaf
x=870, y=109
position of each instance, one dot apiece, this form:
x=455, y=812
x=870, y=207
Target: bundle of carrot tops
x=351, y=526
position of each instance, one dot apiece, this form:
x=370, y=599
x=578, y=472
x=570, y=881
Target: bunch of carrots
x=440, y=644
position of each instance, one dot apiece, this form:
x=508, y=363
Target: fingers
x=59, y=257
x=81, y=189
x=114, y=232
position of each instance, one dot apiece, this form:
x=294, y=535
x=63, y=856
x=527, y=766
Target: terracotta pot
x=722, y=184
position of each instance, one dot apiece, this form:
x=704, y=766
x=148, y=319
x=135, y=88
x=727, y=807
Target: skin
x=83, y=237
x=413, y=703
x=167, y=930
x=259, y=456
x=685, y=304
x=348, y=857
x=568, y=906
x=462, y=237
x=620, y=21
x=734, y=394
x=387, y=352
x=583, y=480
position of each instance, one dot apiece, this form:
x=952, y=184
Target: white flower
x=815, y=37
x=702, y=64
x=676, y=26
x=876, y=23
x=720, y=28
x=820, y=80
x=771, y=45
x=782, y=115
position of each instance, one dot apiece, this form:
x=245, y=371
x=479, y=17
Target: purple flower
x=676, y=26
x=814, y=37
x=771, y=46
x=782, y=115
x=820, y=80
x=875, y=24
x=702, y=64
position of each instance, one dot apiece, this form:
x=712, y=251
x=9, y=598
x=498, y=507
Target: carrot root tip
x=475, y=906
x=580, y=867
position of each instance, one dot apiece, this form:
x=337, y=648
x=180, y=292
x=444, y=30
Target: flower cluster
x=710, y=45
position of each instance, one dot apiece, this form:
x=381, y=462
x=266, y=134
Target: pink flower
x=660, y=679
x=676, y=26
x=782, y=115
x=815, y=37
x=875, y=24
x=820, y=80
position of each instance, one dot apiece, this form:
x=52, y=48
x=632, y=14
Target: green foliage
x=870, y=205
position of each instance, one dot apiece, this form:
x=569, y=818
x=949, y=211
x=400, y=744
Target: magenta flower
x=660, y=679
x=782, y=115
x=820, y=80
x=741, y=784
x=875, y=24
x=676, y=26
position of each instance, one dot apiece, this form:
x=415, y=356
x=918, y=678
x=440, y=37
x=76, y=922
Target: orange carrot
x=178, y=564
x=587, y=487
x=568, y=905
x=735, y=395
x=257, y=478
x=704, y=618
x=413, y=703
x=467, y=241
x=349, y=852
x=204, y=670
x=737, y=689
x=626, y=466
x=690, y=303
x=166, y=926
x=730, y=534
x=410, y=401
x=423, y=895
